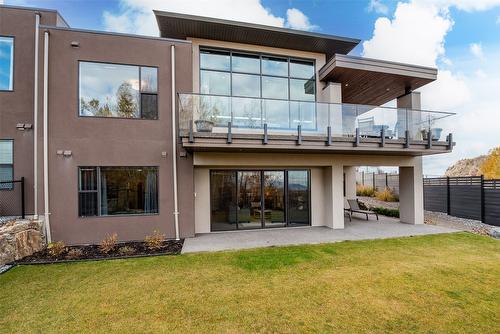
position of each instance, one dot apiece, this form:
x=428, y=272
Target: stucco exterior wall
x=17, y=106
x=96, y=141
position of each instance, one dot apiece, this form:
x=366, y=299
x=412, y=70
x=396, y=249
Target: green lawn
x=431, y=284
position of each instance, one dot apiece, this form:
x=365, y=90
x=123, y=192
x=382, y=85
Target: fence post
x=386, y=180
x=482, y=201
x=373, y=180
x=448, y=206
x=23, y=211
x=363, y=178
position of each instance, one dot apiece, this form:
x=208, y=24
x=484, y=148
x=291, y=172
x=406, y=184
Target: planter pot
x=204, y=125
x=435, y=134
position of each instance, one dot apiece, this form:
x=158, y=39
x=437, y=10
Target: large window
x=107, y=191
x=6, y=163
x=279, y=91
x=254, y=199
x=113, y=90
x=6, y=63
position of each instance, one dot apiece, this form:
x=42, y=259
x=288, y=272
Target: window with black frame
x=6, y=163
x=252, y=89
x=108, y=191
x=115, y=90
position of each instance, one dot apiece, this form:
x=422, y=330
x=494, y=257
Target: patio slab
x=358, y=229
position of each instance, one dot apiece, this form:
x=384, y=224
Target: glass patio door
x=254, y=199
x=274, y=199
x=249, y=200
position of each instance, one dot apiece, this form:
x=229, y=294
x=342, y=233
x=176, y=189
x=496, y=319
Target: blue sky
x=460, y=37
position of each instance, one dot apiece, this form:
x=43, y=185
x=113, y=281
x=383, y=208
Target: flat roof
x=372, y=81
x=182, y=26
x=37, y=9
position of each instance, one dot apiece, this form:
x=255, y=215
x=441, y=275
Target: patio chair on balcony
x=354, y=208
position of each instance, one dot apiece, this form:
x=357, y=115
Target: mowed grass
x=431, y=284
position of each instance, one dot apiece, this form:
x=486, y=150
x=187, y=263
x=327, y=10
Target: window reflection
x=275, y=88
x=214, y=60
x=246, y=63
x=301, y=69
x=6, y=63
x=246, y=85
x=113, y=90
x=216, y=83
x=275, y=66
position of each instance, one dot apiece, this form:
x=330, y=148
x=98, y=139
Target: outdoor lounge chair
x=354, y=207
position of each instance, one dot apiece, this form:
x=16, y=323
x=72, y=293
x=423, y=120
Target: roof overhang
x=183, y=26
x=372, y=81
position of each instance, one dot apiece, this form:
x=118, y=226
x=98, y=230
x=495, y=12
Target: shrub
x=387, y=212
x=108, y=244
x=74, y=253
x=56, y=248
x=126, y=250
x=154, y=241
x=385, y=195
x=365, y=191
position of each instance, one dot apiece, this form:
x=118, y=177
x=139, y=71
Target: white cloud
x=136, y=16
x=295, y=19
x=416, y=33
x=477, y=50
x=378, y=7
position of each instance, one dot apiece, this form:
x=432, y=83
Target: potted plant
x=207, y=117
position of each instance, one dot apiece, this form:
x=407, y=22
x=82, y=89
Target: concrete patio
x=358, y=229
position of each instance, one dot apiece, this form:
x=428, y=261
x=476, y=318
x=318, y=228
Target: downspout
x=45, y=135
x=35, y=118
x=174, y=144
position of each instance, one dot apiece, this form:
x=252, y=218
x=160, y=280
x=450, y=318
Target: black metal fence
x=12, y=199
x=379, y=181
x=470, y=197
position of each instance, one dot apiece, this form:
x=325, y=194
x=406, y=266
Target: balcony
x=221, y=123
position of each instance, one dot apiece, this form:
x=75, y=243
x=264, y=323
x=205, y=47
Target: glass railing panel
x=203, y=113
x=247, y=112
x=276, y=114
x=421, y=123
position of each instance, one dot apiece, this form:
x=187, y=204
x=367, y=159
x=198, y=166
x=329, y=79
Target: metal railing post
x=356, y=139
x=450, y=141
x=299, y=134
x=229, y=133
x=265, y=140
x=329, y=135
x=382, y=137
x=191, y=135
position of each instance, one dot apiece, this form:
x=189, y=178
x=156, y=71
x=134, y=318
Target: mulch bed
x=93, y=252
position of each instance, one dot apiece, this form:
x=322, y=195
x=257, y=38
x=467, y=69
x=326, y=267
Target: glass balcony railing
x=212, y=113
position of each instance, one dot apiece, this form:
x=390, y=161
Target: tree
x=127, y=106
x=95, y=109
x=490, y=168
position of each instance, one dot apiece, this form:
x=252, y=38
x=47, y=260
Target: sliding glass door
x=254, y=199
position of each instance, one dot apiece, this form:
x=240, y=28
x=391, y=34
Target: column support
x=334, y=196
x=411, y=193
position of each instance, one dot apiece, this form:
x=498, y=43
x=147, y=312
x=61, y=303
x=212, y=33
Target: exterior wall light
x=75, y=44
x=24, y=126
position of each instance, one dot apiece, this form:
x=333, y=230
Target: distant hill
x=466, y=167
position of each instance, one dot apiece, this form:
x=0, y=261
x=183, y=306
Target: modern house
x=214, y=126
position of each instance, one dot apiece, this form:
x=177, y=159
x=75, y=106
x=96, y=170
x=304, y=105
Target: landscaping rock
x=20, y=238
x=495, y=232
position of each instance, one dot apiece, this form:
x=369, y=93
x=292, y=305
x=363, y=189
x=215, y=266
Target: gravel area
x=437, y=218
